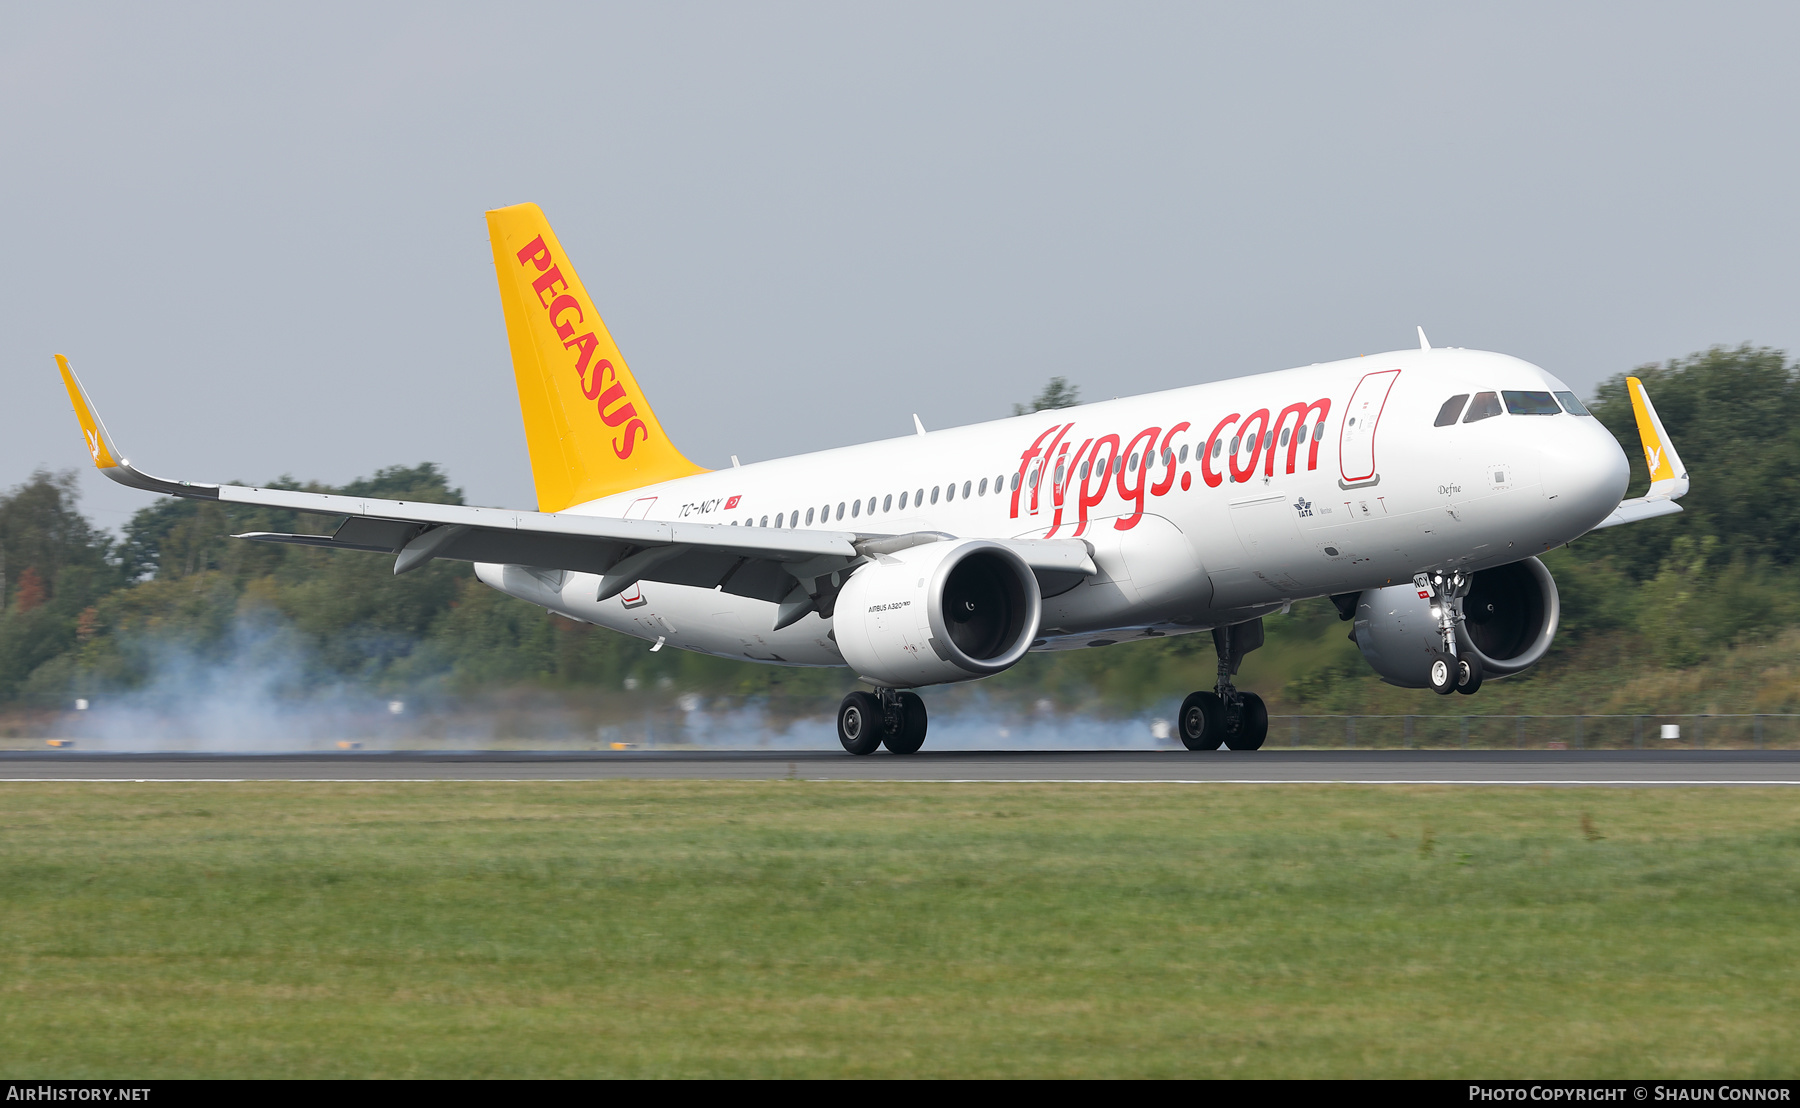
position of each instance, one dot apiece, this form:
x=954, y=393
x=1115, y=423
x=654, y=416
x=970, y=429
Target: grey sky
x=258, y=233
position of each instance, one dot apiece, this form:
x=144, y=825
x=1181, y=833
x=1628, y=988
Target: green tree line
x=87, y=612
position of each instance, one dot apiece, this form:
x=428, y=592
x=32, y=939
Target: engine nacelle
x=943, y=611
x=1509, y=619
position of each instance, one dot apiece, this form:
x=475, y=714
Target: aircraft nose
x=1585, y=473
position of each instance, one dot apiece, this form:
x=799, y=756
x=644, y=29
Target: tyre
x=1252, y=724
x=1202, y=721
x=1443, y=674
x=859, y=723
x=1468, y=675
x=912, y=726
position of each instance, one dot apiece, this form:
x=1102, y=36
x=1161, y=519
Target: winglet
x=99, y=443
x=1668, y=477
x=105, y=453
x=1424, y=343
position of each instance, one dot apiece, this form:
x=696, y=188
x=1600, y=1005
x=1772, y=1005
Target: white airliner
x=1414, y=488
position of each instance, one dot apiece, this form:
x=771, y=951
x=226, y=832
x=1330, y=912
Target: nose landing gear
x=887, y=717
x=1450, y=671
x=1239, y=720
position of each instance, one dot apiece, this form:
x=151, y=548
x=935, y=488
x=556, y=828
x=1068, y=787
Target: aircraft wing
x=766, y=563
x=1636, y=509
x=1668, y=477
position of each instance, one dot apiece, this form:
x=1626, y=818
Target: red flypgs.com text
x=1077, y=478
x=605, y=389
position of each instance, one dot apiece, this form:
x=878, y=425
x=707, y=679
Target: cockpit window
x=1451, y=409
x=1484, y=405
x=1531, y=403
x=1571, y=404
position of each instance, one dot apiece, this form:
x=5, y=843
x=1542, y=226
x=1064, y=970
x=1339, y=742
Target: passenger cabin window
x=966, y=487
x=1531, y=403
x=887, y=502
x=1484, y=405
x=840, y=513
x=809, y=517
x=934, y=494
x=1451, y=410
x=981, y=490
x=1571, y=404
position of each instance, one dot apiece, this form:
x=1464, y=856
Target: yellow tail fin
x=588, y=427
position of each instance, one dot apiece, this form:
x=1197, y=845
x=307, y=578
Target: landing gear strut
x=1239, y=720
x=1451, y=671
x=891, y=717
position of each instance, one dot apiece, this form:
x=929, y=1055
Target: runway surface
x=1491, y=767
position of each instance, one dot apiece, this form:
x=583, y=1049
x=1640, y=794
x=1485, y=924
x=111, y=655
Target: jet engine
x=1509, y=619
x=939, y=612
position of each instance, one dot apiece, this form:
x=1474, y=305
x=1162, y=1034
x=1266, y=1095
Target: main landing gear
x=1239, y=720
x=886, y=717
x=1450, y=671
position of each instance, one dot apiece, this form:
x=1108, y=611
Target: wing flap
x=328, y=542
x=376, y=534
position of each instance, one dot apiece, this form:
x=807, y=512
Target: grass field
x=797, y=928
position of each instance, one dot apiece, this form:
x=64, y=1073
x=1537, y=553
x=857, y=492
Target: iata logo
x=560, y=305
x=1302, y=507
